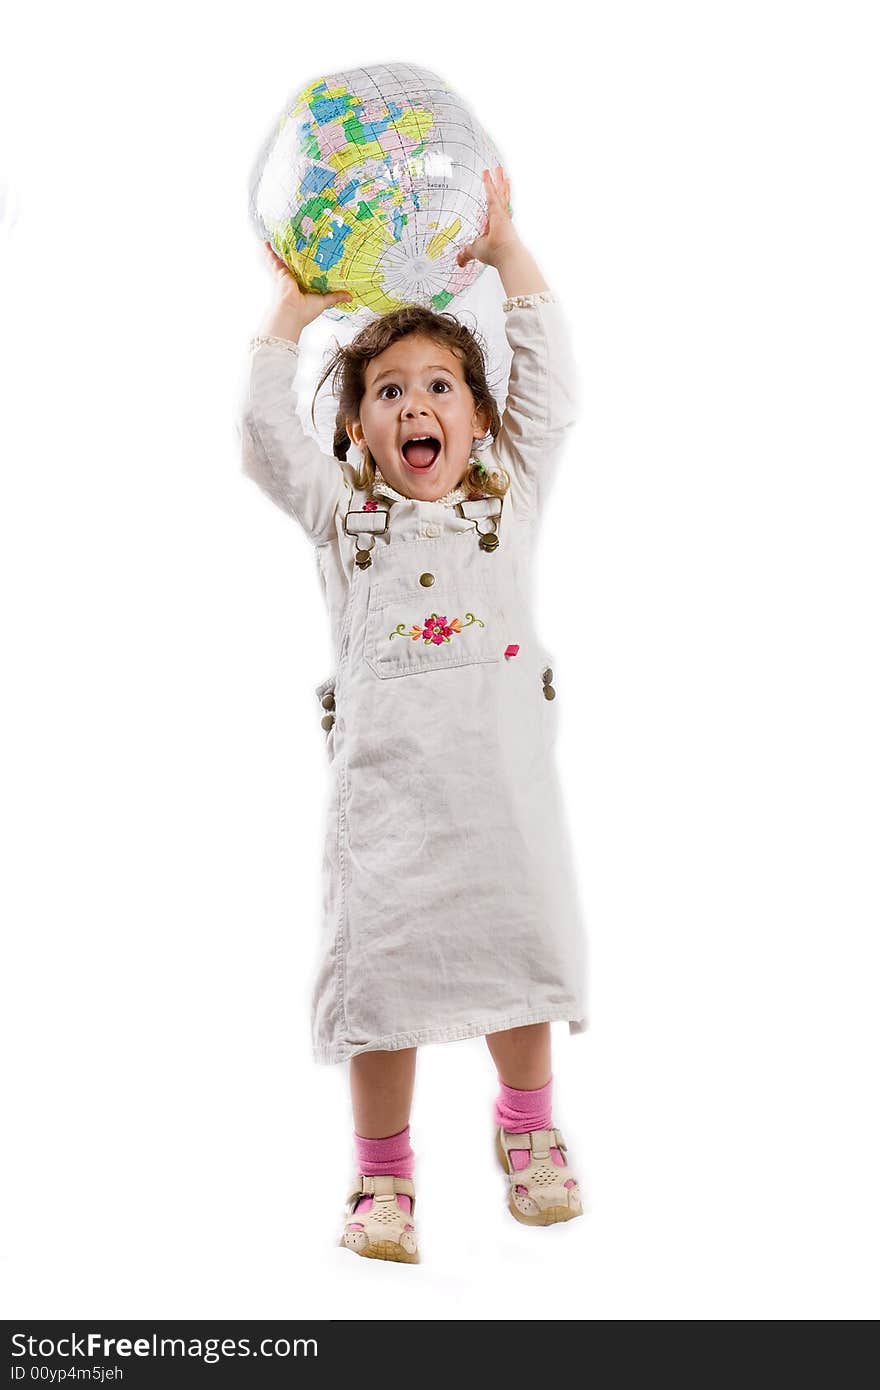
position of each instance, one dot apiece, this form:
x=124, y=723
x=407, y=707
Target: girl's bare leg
x=522, y=1055
x=381, y=1091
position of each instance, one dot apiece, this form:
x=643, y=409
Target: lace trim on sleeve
x=281, y=342
x=526, y=301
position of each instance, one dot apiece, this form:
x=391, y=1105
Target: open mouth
x=421, y=454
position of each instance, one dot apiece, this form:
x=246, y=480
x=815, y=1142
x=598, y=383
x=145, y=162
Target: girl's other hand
x=497, y=233
x=305, y=305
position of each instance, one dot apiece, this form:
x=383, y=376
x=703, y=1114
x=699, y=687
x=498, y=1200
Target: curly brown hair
x=348, y=367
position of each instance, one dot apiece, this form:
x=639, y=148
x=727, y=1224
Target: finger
x=491, y=190
x=273, y=255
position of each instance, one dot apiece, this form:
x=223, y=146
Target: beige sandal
x=539, y=1194
x=385, y=1232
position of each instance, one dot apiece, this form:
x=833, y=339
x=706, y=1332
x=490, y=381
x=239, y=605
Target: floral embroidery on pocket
x=371, y=505
x=435, y=629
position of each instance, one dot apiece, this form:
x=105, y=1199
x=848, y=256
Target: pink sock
x=385, y=1156
x=519, y=1111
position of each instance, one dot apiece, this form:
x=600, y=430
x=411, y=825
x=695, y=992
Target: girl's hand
x=306, y=306
x=497, y=234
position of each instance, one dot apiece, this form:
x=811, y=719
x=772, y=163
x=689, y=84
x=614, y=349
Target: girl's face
x=417, y=387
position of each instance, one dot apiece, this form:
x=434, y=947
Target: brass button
x=489, y=542
x=362, y=559
x=547, y=676
x=329, y=702
x=327, y=722
x=426, y=579
x=549, y=692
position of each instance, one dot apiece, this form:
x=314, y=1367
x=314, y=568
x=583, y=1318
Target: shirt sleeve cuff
x=288, y=343
x=527, y=301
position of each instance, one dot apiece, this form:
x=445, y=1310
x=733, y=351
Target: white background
x=699, y=183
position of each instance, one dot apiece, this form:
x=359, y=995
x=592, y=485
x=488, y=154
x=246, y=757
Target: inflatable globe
x=371, y=182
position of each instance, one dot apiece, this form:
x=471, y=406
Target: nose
x=413, y=403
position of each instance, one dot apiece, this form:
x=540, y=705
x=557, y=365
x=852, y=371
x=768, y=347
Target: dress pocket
x=410, y=629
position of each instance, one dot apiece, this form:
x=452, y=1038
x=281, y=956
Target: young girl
x=450, y=903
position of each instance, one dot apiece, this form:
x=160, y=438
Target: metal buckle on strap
x=370, y=522
x=485, y=513
x=474, y=508
x=365, y=523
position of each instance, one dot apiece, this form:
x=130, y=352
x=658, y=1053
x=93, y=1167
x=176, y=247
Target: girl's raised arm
x=276, y=451
x=542, y=395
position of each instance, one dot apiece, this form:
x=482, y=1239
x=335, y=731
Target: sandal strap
x=539, y=1141
x=384, y=1185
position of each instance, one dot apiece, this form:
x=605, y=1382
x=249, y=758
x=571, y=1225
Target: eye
x=438, y=382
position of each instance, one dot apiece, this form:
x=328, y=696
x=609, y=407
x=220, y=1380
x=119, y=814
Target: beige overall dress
x=450, y=901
